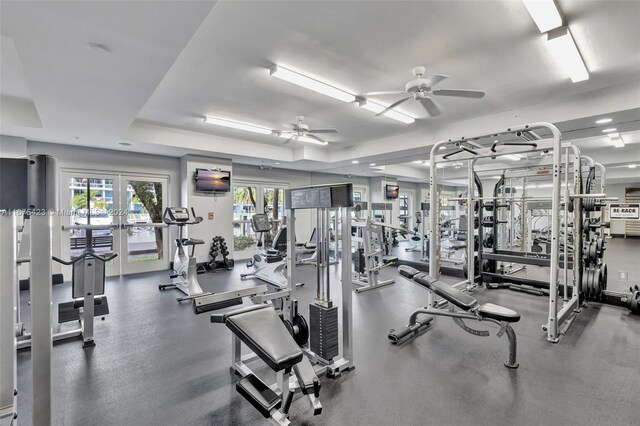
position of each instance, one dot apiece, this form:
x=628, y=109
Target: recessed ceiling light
x=544, y=13
x=442, y=148
x=417, y=161
x=99, y=48
x=496, y=177
x=632, y=166
x=354, y=161
x=237, y=125
x=125, y=143
x=311, y=83
x=372, y=164
x=512, y=157
x=276, y=163
x=603, y=121
x=609, y=130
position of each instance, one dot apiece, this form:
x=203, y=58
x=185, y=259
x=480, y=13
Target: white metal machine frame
x=521, y=139
x=323, y=198
x=41, y=202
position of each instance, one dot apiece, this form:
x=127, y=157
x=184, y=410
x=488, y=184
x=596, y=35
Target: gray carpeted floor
x=156, y=363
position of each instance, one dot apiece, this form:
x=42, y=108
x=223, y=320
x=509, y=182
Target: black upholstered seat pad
x=489, y=310
x=407, y=271
x=459, y=298
x=265, y=334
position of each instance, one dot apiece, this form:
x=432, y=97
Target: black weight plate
x=302, y=336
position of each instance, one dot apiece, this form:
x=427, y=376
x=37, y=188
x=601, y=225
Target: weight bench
x=261, y=329
x=469, y=308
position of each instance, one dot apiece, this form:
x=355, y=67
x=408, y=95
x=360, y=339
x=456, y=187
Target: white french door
x=250, y=198
x=130, y=207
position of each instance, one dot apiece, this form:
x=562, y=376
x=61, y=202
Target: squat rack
x=521, y=139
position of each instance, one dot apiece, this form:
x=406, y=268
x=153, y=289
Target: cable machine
x=324, y=349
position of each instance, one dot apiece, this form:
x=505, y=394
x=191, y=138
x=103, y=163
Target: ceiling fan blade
x=431, y=107
x=475, y=94
x=295, y=126
x=435, y=79
x=393, y=92
x=309, y=135
x=393, y=105
x=322, y=131
x=290, y=139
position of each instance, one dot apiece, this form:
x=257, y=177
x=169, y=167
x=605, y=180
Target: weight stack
x=324, y=331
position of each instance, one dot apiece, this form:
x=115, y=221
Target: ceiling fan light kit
x=420, y=89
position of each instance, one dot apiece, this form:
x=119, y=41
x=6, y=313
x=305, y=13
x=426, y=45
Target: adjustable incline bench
x=261, y=329
x=470, y=309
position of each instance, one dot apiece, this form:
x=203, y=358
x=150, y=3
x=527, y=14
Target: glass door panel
x=144, y=235
x=273, y=202
x=245, y=205
x=90, y=200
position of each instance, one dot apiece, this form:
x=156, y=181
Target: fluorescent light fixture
x=311, y=83
x=417, y=161
x=496, y=177
x=566, y=54
x=276, y=163
x=609, y=130
x=632, y=166
x=372, y=164
x=442, y=148
x=377, y=108
x=303, y=139
x=544, y=13
x=237, y=125
x=512, y=157
x=544, y=185
x=604, y=121
x=354, y=161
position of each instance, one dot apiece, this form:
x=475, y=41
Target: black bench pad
x=408, y=271
x=459, y=298
x=306, y=376
x=389, y=259
x=489, y=310
x=259, y=394
x=265, y=334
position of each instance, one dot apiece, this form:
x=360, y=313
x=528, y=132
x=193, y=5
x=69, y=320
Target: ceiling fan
x=421, y=89
x=301, y=132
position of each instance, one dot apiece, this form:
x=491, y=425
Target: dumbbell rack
x=219, y=249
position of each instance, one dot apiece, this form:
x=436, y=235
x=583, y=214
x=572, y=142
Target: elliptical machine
x=184, y=274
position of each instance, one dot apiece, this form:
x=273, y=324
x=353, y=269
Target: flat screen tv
x=392, y=192
x=212, y=180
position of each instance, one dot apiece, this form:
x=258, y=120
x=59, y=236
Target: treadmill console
x=260, y=223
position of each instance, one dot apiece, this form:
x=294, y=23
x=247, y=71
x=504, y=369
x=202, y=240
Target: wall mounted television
x=207, y=180
x=392, y=192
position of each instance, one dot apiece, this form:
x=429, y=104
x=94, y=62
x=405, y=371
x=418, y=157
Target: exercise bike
x=184, y=274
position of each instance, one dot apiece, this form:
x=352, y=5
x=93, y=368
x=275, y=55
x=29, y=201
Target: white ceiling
x=171, y=63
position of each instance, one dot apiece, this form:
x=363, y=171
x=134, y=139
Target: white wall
x=12, y=147
x=220, y=204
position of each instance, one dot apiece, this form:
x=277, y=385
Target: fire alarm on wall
x=210, y=215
